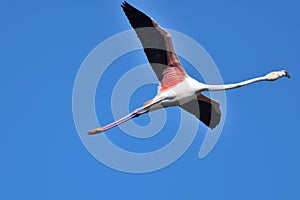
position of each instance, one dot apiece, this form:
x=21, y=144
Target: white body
x=183, y=92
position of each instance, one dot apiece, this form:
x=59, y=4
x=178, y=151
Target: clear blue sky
x=43, y=44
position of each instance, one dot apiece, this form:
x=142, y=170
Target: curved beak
x=287, y=74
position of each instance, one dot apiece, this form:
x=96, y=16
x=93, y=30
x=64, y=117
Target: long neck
x=234, y=85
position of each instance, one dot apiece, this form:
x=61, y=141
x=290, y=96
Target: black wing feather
x=149, y=37
x=206, y=112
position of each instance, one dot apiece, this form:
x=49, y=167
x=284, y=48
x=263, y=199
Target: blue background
x=42, y=46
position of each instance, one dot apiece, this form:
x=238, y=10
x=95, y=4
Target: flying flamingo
x=176, y=87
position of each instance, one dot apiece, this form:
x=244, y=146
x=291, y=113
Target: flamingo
x=176, y=87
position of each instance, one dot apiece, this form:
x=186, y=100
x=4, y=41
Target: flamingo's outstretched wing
x=157, y=44
x=209, y=110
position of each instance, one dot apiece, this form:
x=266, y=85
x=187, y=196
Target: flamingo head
x=272, y=76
